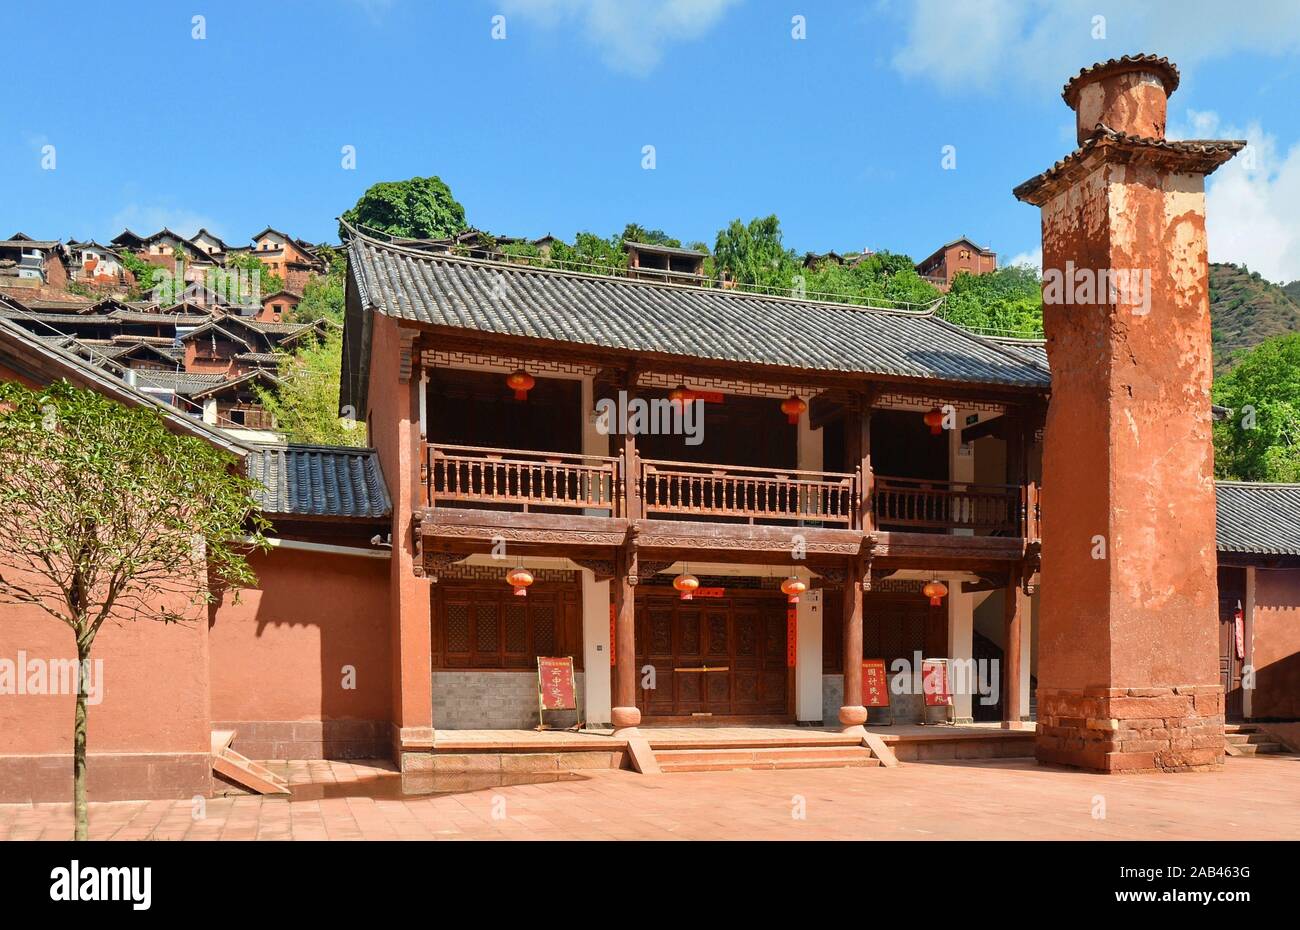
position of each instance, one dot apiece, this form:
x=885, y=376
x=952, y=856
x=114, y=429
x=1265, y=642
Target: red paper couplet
x=875, y=683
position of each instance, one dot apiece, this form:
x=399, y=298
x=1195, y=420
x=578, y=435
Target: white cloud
x=1252, y=203
x=630, y=34
x=991, y=45
x=1033, y=259
x=149, y=218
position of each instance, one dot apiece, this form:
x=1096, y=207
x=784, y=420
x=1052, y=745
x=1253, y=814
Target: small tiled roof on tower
x=1155, y=64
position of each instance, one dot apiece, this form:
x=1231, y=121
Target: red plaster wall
x=1277, y=644
x=155, y=687
x=278, y=654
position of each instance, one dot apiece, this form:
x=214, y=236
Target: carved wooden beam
x=603, y=569
x=434, y=564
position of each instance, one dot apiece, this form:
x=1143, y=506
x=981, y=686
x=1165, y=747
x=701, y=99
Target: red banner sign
x=875, y=683
x=934, y=682
x=791, y=635
x=611, y=635
x=556, y=687
x=710, y=592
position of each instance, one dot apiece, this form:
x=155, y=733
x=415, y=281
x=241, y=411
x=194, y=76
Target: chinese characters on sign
x=791, y=635
x=875, y=683
x=555, y=683
x=934, y=682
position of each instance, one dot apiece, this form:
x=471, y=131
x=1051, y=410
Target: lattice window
x=457, y=625
x=486, y=635
x=544, y=630
x=516, y=628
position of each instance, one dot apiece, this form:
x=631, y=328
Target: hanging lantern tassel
x=792, y=587
x=934, y=420
x=519, y=579
x=521, y=382
x=687, y=584
x=935, y=591
x=793, y=406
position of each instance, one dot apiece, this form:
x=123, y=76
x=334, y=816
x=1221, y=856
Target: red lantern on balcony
x=678, y=395
x=521, y=382
x=687, y=584
x=792, y=587
x=519, y=579
x=934, y=420
x=936, y=591
x=793, y=407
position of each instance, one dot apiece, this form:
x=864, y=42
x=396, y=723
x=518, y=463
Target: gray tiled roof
x=1258, y=518
x=452, y=291
x=1031, y=350
x=319, y=481
x=180, y=382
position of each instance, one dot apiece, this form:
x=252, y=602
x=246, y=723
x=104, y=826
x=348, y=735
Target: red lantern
x=792, y=407
x=519, y=579
x=678, y=395
x=935, y=591
x=792, y=587
x=521, y=382
x=687, y=584
x=934, y=420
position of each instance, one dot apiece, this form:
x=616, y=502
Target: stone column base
x=852, y=716
x=624, y=717
x=1111, y=730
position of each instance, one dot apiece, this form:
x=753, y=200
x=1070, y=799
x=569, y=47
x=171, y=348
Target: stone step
x=1261, y=749
x=795, y=757
x=1244, y=739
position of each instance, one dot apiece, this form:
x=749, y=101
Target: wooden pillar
x=624, y=714
x=857, y=448
x=1016, y=471
x=1014, y=608
x=852, y=712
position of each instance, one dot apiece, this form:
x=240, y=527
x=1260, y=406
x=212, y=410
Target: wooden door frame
x=765, y=597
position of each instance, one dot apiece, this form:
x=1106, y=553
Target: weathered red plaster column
x=624, y=714
x=852, y=713
x=1128, y=655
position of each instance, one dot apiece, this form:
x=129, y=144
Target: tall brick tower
x=1128, y=639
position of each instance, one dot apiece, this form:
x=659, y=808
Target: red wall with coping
x=279, y=657
x=1276, y=644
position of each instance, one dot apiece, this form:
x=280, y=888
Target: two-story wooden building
x=622, y=439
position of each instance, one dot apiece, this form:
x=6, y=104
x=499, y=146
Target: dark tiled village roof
x=1261, y=519
x=319, y=481
x=695, y=322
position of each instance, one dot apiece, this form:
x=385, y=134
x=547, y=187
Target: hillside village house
x=947, y=261
x=920, y=489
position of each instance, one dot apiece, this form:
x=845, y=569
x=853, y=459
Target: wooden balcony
x=751, y=495
x=917, y=504
x=481, y=477
x=529, y=480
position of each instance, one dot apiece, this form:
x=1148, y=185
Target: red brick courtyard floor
x=1251, y=798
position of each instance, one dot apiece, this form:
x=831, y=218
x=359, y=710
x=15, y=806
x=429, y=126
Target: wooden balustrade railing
x=529, y=479
x=912, y=502
x=759, y=495
x=542, y=480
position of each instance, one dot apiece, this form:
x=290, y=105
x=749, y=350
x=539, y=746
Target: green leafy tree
x=146, y=275
x=306, y=403
x=753, y=254
x=1260, y=440
x=418, y=208
x=107, y=515
x=1008, y=301
x=237, y=277
x=322, y=298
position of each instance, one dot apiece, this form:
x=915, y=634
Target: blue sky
x=840, y=134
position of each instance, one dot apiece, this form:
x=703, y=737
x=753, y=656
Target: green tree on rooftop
x=417, y=208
